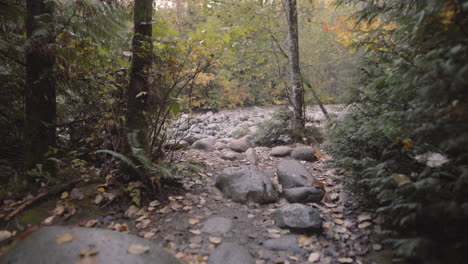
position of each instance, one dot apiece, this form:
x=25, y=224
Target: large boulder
x=246, y=184
x=45, y=246
x=240, y=145
x=293, y=174
x=203, y=144
x=298, y=217
x=280, y=151
x=304, y=153
x=230, y=253
x=304, y=194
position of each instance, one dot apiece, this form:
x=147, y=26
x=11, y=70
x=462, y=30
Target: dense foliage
x=407, y=137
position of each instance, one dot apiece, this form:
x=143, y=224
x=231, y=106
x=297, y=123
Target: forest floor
x=193, y=218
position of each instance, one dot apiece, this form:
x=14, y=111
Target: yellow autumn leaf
x=407, y=144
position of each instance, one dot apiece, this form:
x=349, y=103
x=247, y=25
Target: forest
x=234, y=131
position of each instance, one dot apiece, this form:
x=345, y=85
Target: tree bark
x=138, y=89
x=295, y=72
x=40, y=97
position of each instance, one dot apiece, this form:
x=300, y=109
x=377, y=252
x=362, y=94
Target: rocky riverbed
x=242, y=203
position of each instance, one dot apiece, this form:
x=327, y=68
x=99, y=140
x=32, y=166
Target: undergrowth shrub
x=406, y=141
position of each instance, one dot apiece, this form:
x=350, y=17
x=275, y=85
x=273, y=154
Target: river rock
x=203, y=144
x=304, y=194
x=286, y=243
x=184, y=126
x=230, y=253
x=292, y=174
x=191, y=138
x=239, y=145
x=251, y=156
x=220, y=145
x=280, y=151
x=304, y=153
x=217, y=226
x=42, y=247
x=246, y=184
x=298, y=217
x=227, y=154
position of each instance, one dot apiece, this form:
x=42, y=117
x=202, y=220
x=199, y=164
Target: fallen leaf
x=293, y=258
x=48, y=220
x=5, y=234
x=65, y=238
x=345, y=260
x=64, y=195
x=377, y=247
x=150, y=234
x=101, y=189
x=338, y=221
x=89, y=253
x=195, y=231
x=341, y=229
x=214, y=240
x=121, y=228
x=91, y=223
x=364, y=217
x=364, y=225
x=137, y=249
x=154, y=203
x=401, y=179
x=314, y=257
x=143, y=224
x=98, y=199
x=193, y=221
x=252, y=236
x=273, y=231
x=59, y=210
x=304, y=240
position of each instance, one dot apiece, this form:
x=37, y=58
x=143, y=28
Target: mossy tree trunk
x=297, y=91
x=40, y=97
x=138, y=89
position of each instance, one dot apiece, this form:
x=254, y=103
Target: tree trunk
x=295, y=72
x=138, y=89
x=40, y=104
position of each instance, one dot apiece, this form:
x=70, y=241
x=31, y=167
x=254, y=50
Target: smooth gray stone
x=239, y=145
x=280, y=151
x=191, y=139
x=217, y=226
x=292, y=174
x=246, y=184
x=184, y=126
x=203, y=144
x=230, y=155
x=304, y=153
x=220, y=145
x=304, y=194
x=230, y=253
x=298, y=217
x=41, y=248
x=286, y=243
x=251, y=156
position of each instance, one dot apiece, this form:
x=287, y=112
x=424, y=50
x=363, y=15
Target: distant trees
x=40, y=95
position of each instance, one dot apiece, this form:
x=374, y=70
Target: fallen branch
x=24, y=205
